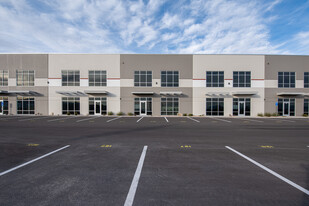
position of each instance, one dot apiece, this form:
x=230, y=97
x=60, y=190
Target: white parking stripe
x=88, y=119
x=36, y=159
x=139, y=119
x=34, y=118
x=165, y=119
x=134, y=184
x=61, y=118
x=279, y=119
x=113, y=119
x=270, y=171
x=253, y=120
x=220, y=119
x=193, y=119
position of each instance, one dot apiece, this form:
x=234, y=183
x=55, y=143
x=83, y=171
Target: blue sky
x=155, y=26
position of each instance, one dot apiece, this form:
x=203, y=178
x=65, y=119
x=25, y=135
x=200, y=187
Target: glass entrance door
x=241, y=108
x=143, y=107
x=97, y=107
x=286, y=108
x=1, y=107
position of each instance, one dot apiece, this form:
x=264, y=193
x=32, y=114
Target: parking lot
x=95, y=160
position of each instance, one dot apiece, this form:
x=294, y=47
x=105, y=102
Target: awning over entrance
x=171, y=93
x=244, y=93
x=95, y=92
x=143, y=93
x=21, y=93
x=71, y=94
x=291, y=94
x=217, y=94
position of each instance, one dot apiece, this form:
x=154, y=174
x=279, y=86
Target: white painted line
x=113, y=119
x=88, y=119
x=287, y=120
x=139, y=119
x=36, y=159
x=253, y=120
x=134, y=184
x=33, y=118
x=278, y=119
x=193, y=119
x=220, y=119
x=270, y=171
x=165, y=119
x=60, y=118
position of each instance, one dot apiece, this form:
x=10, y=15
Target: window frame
x=210, y=79
x=102, y=78
x=21, y=81
x=23, y=102
x=4, y=74
x=246, y=82
x=65, y=100
x=166, y=83
x=137, y=101
x=91, y=107
x=282, y=80
x=306, y=77
x=211, y=103
x=68, y=82
x=165, y=101
x=138, y=77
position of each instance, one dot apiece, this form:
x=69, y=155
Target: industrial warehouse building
x=147, y=84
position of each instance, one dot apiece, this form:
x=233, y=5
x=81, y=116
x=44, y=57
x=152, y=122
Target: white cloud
x=108, y=26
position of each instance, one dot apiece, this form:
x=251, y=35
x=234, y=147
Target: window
x=143, y=78
x=4, y=105
x=286, y=79
x=215, y=79
x=70, y=105
x=70, y=77
x=241, y=106
x=25, y=105
x=169, y=79
x=215, y=106
x=169, y=106
x=97, y=78
x=4, y=75
x=306, y=79
x=97, y=105
x=241, y=79
x=306, y=104
x=24, y=78
x=148, y=105
x=286, y=107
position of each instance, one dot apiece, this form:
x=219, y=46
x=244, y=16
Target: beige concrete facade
x=191, y=92
x=34, y=62
x=228, y=64
x=84, y=63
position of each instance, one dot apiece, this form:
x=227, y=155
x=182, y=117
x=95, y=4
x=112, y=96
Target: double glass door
x=286, y=108
x=97, y=107
x=143, y=107
x=241, y=108
x=1, y=107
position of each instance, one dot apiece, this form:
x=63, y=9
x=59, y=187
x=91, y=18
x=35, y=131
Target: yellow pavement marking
x=183, y=121
x=91, y=121
x=267, y=146
x=106, y=145
x=153, y=121
x=32, y=145
x=61, y=121
x=214, y=121
x=122, y=121
x=185, y=146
